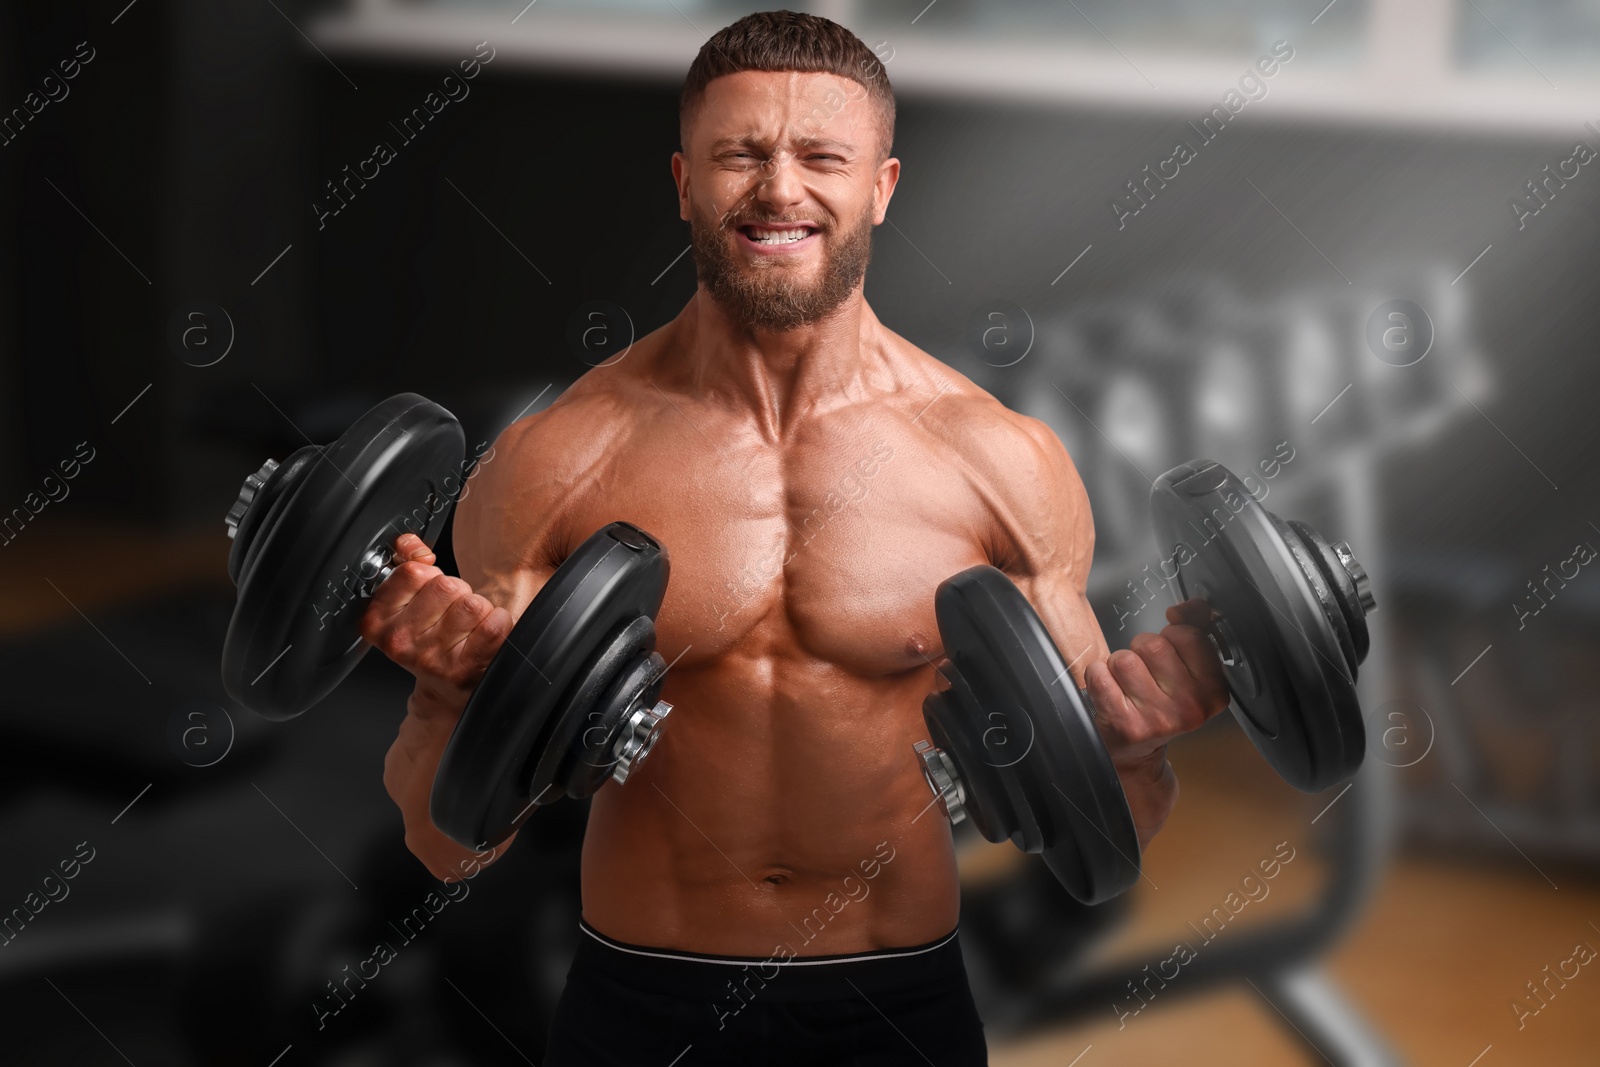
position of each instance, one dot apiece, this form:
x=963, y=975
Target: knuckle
x=476, y=607
x=413, y=575
x=500, y=620
x=1178, y=631
x=447, y=585
x=1139, y=730
x=385, y=600
x=457, y=611
x=484, y=647
x=1118, y=715
x=399, y=646
x=1163, y=645
x=1127, y=665
x=485, y=642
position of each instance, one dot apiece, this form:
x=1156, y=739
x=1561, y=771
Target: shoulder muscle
x=510, y=531
x=1029, y=484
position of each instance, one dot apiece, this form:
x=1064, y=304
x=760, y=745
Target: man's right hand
x=436, y=627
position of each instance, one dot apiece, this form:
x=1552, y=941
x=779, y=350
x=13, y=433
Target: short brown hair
x=785, y=41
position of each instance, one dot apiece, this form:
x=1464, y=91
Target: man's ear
x=883, y=188
x=680, y=175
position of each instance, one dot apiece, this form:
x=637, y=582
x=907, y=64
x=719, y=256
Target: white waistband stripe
x=795, y=962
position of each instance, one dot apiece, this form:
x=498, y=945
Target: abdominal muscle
x=783, y=813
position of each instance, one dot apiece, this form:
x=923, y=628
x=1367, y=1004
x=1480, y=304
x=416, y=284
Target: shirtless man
x=763, y=889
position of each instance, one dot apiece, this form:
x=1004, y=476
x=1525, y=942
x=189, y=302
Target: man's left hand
x=1161, y=686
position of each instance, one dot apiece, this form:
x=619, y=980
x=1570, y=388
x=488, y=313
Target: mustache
x=733, y=221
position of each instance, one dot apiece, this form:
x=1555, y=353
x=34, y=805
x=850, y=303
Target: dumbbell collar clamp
x=942, y=777
x=641, y=728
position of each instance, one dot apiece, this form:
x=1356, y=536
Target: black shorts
x=633, y=1006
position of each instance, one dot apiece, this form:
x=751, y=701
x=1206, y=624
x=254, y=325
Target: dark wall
x=77, y=178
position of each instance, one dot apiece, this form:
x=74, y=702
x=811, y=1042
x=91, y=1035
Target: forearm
x=1148, y=780
x=408, y=774
x=1151, y=787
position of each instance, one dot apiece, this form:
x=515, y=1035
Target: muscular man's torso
x=784, y=805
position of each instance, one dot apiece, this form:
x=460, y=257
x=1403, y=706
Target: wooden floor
x=1434, y=964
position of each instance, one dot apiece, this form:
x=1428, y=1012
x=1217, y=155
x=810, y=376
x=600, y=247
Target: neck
x=778, y=376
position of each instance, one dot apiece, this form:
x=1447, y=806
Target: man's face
x=781, y=185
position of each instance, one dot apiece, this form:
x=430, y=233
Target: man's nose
x=779, y=185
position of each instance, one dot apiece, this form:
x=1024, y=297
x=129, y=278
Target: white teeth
x=778, y=237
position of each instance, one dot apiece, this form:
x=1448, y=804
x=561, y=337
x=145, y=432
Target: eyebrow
x=747, y=141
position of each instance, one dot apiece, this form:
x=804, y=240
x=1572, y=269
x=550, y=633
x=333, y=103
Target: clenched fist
x=1161, y=686
x=434, y=625
x=437, y=628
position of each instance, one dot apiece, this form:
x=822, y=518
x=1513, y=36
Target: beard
x=768, y=293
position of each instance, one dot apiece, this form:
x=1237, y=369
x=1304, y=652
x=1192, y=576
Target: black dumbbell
x=1013, y=742
x=569, y=701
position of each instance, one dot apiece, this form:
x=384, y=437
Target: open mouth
x=777, y=236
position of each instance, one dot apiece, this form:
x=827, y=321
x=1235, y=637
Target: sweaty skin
x=813, y=485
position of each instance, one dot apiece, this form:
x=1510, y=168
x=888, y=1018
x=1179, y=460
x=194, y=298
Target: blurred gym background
x=183, y=296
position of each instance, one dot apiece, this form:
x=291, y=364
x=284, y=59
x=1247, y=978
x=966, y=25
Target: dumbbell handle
x=374, y=566
x=381, y=560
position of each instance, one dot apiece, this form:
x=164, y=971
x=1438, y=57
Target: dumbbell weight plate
x=298, y=548
x=1290, y=669
x=1031, y=761
x=580, y=751
x=540, y=685
x=267, y=497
